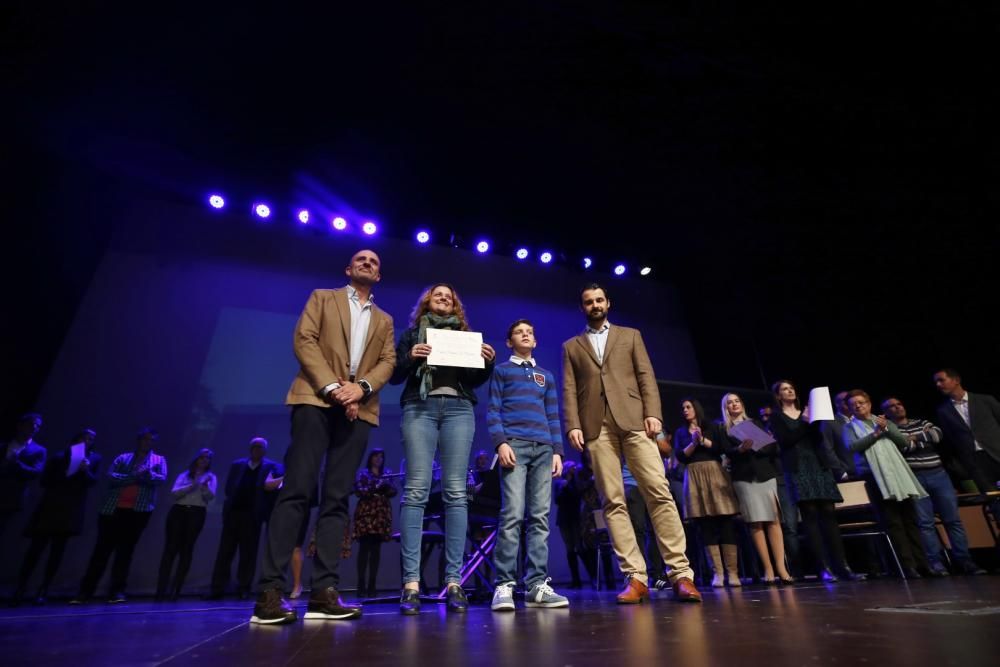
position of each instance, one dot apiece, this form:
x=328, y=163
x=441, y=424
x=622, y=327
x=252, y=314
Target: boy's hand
x=556, y=465
x=506, y=456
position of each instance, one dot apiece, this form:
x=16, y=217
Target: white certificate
x=747, y=430
x=76, y=454
x=820, y=405
x=463, y=349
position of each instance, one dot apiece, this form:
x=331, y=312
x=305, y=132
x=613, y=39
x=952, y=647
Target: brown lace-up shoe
x=635, y=592
x=684, y=591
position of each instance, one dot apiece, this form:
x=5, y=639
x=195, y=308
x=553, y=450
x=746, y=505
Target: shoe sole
x=548, y=605
x=326, y=616
x=503, y=606
x=273, y=621
x=639, y=601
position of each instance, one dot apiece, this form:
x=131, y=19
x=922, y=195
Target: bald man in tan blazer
x=611, y=407
x=346, y=351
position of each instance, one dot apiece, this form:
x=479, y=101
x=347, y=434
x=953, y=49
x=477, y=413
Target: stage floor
x=954, y=621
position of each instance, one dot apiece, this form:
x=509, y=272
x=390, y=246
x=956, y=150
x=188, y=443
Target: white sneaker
x=542, y=595
x=503, y=597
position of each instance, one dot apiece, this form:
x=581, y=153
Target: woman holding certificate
x=754, y=475
x=437, y=414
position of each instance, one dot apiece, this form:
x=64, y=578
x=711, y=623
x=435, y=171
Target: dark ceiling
x=820, y=184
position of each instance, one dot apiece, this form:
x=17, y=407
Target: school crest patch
x=539, y=378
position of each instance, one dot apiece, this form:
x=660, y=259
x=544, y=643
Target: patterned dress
x=373, y=514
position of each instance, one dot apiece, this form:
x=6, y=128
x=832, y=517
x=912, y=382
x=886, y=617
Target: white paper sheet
x=747, y=430
x=463, y=349
x=820, y=405
x=77, y=453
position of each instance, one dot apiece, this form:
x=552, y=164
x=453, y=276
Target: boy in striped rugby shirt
x=523, y=421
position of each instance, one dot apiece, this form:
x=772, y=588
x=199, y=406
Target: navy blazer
x=15, y=474
x=263, y=499
x=984, y=414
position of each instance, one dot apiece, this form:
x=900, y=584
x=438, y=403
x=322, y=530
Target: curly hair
x=423, y=306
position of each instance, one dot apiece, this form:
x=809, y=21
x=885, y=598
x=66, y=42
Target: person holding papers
x=808, y=473
x=60, y=514
x=437, y=412
x=754, y=474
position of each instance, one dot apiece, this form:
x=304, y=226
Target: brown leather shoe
x=326, y=604
x=634, y=593
x=684, y=591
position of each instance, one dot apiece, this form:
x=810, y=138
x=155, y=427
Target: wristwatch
x=366, y=387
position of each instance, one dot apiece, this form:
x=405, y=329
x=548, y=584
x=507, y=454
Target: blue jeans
x=941, y=499
x=529, y=481
x=448, y=422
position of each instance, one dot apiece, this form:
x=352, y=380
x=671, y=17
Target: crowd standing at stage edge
x=663, y=496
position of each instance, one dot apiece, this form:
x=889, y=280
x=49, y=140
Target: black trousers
x=369, y=557
x=184, y=524
x=117, y=534
x=33, y=556
x=900, y=520
x=240, y=531
x=317, y=434
x=819, y=520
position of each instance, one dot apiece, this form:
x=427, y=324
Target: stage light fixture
x=423, y=236
x=339, y=224
x=304, y=216
x=216, y=201
x=587, y=262
x=369, y=228
x=262, y=211
x=620, y=270
x=545, y=257
x=645, y=271
x=483, y=247
x=522, y=253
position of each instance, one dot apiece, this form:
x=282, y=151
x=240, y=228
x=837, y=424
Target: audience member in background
x=921, y=454
x=251, y=489
x=193, y=491
x=808, y=473
x=754, y=482
x=971, y=425
x=61, y=511
x=23, y=460
x=892, y=486
x=372, y=519
x=567, y=501
x=709, y=499
x=833, y=438
x=130, y=500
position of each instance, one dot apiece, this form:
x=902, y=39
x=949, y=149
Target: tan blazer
x=322, y=346
x=625, y=383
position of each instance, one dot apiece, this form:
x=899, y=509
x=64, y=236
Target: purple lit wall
x=187, y=327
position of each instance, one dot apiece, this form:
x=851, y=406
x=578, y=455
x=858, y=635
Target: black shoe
x=213, y=596
x=910, y=573
x=827, y=576
x=932, y=572
x=117, y=598
x=457, y=602
x=42, y=597
x=79, y=599
x=272, y=609
x=847, y=574
x=409, y=602
x=326, y=604
x=971, y=569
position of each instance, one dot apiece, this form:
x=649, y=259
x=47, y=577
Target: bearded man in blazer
x=971, y=425
x=611, y=407
x=346, y=351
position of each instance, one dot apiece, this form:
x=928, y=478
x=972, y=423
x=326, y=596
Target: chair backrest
x=855, y=496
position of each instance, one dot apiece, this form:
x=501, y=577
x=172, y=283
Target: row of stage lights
x=423, y=237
